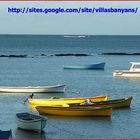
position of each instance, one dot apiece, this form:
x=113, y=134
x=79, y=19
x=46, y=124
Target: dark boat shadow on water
x=122, y=109
x=97, y=118
x=83, y=69
x=19, y=133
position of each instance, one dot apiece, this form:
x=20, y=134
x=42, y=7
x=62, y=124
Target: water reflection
x=52, y=117
x=19, y=133
x=50, y=95
x=32, y=107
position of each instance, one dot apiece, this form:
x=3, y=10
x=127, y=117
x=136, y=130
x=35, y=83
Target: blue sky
x=72, y=23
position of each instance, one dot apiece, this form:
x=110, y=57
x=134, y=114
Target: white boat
x=27, y=121
x=133, y=72
x=35, y=89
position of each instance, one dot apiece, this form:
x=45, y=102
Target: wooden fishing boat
x=75, y=111
x=61, y=101
x=133, y=72
x=27, y=121
x=117, y=103
x=90, y=66
x=34, y=89
x=5, y=134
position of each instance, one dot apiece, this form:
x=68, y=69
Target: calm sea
x=39, y=65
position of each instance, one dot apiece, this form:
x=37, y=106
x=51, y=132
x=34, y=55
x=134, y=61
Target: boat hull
x=39, y=89
x=30, y=124
x=133, y=72
x=75, y=111
x=62, y=101
x=118, y=103
x=91, y=66
x=5, y=134
x=33, y=126
x=126, y=74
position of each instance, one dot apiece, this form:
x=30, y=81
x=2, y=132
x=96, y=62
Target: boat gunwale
x=34, y=101
x=30, y=87
x=116, y=101
x=73, y=108
x=34, y=118
x=30, y=121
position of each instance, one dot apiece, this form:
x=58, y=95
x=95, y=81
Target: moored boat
x=133, y=72
x=90, y=66
x=61, y=101
x=75, y=111
x=5, y=134
x=27, y=121
x=117, y=103
x=34, y=89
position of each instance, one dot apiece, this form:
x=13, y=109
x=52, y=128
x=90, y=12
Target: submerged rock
x=120, y=53
x=20, y=56
x=72, y=54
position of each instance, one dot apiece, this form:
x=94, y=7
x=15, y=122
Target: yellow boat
x=117, y=103
x=75, y=111
x=61, y=101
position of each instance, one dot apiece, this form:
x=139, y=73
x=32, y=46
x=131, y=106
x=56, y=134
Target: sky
x=70, y=23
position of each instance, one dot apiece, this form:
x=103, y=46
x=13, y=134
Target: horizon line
x=76, y=34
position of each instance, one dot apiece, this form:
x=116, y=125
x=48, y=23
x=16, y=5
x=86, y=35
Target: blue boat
x=5, y=134
x=90, y=66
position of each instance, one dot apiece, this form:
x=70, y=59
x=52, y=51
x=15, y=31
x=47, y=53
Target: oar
x=30, y=97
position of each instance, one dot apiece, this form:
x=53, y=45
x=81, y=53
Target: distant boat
x=34, y=89
x=62, y=101
x=133, y=72
x=90, y=66
x=75, y=111
x=75, y=36
x=5, y=134
x=27, y=121
x=116, y=103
